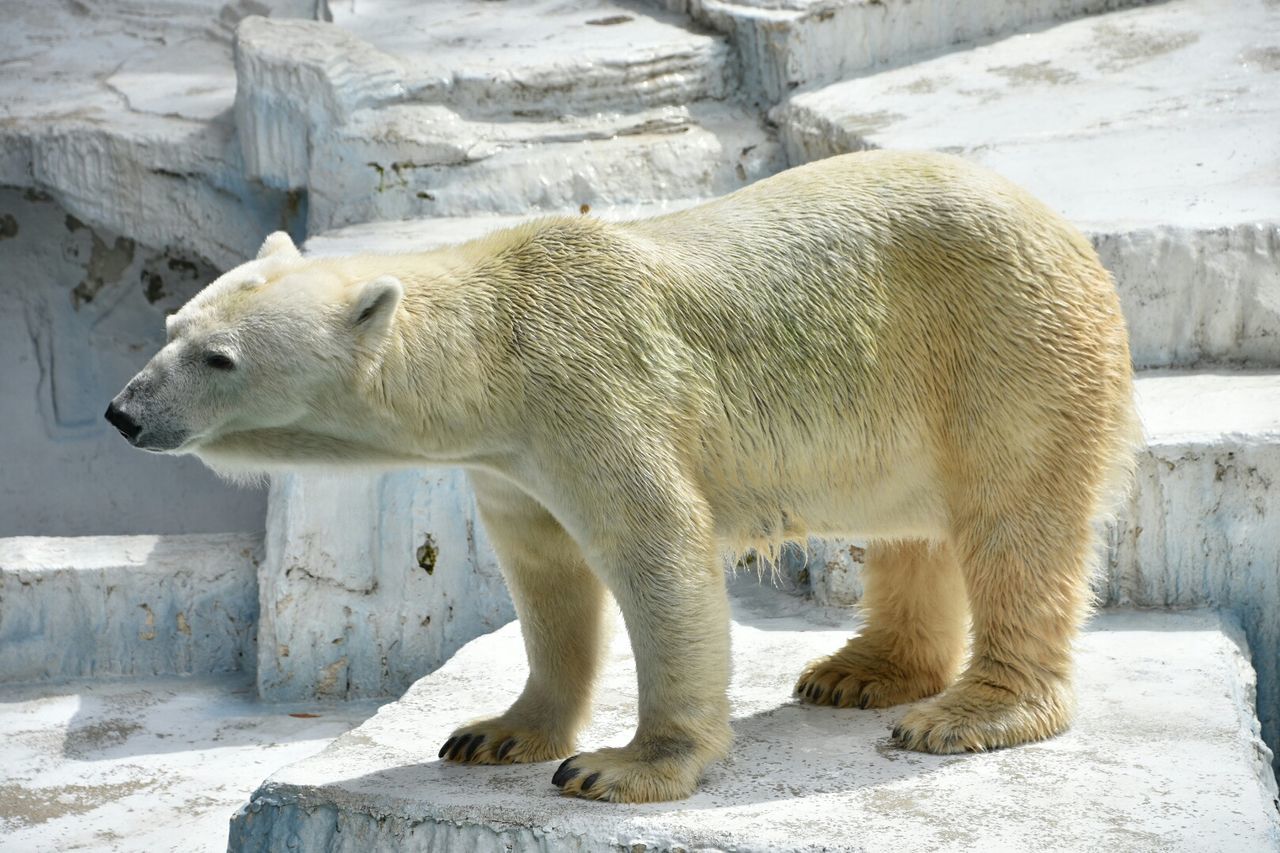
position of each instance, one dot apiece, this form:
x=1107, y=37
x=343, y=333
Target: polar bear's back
x=886, y=310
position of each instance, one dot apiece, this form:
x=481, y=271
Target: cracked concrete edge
x=1245, y=693
x=127, y=605
x=815, y=43
x=299, y=80
x=367, y=613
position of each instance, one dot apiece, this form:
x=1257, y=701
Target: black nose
x=128, y=427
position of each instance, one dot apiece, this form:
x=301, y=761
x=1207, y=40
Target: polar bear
x=899, y=346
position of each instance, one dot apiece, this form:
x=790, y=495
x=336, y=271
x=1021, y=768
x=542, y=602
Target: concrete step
x=1152, y=128
x=127, y=605
x=144, y=765
x=807, y=779
x=401, y=110
x=121, y=112
x=412, y=160
x=786, y=44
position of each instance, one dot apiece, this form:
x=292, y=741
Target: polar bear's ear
x=375, y=303
x=278, y=243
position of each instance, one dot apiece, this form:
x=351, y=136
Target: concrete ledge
x=785, y=44
x=370, y=582
x=1165, y=756
x=127, y=605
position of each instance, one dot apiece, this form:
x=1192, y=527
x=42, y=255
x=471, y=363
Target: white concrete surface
x=406, y=109
x=786, y=44
x=1203, y=523
x=1164, y=756
x=127, y=605
x=123, y=193
x=411, y=160
x=122, y=111
x=371, y=581
x=1162, y=115
x=1198, y=296
x=144, y=765
x=300, y=81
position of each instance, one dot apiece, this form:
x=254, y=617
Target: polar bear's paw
x=631, y=774
x=501, y=741
x=864, y=678
x=975, y=717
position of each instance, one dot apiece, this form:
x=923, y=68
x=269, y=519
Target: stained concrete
x=144, y=764
x=86, y=309
x=371, y=581
x=790, y=44
x=1163, y=115
x=1164, y=756
x=127, y=605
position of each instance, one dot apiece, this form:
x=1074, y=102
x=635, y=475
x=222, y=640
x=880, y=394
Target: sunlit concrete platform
x=1165, y=756
x=144, y=764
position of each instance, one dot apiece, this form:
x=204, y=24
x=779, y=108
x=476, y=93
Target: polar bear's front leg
x=560, y=602
x=671, y=590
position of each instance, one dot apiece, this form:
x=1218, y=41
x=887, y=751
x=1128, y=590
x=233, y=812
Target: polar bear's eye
x=218, y=361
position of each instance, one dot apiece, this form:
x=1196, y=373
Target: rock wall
x=86, y=311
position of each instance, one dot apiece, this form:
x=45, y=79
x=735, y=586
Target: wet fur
x=902, y=347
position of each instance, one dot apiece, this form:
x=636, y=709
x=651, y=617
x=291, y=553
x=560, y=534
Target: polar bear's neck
x=438, y=389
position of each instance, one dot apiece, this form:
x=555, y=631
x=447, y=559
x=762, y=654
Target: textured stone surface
x=1203, y=524
x=121, y=192
x=122, y=111
x=1198, y=296
x=412, y=160
x=1160, y=115
x=127, y=605
x=406, y=109
x=786, y=44
x=805, y=778
x=85, y=310
x=370, y=582
x=144, y=764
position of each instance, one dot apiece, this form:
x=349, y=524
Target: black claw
x=456, y=752
x=471, y=750
x=565, y=772
x=835, y=697
x=446, y=746
x=864, y=701
x=898, y=733
x=505, y=748
x=802, y=687
x=588, y=782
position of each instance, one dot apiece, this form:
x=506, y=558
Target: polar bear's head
x=260, y=351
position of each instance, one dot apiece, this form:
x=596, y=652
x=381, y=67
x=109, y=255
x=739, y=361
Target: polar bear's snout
x=141, y=417
x=124, y=422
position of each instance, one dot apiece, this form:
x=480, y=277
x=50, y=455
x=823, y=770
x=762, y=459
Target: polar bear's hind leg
x=914, y=638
